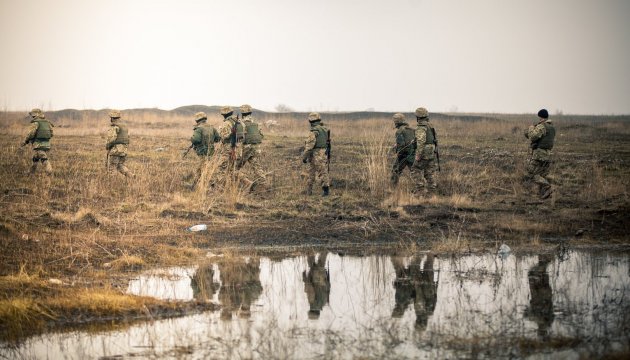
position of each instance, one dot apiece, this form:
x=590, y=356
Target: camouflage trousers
x=426, y=169
x=537, y=172
x=118, y=162
x=250, y=158
x=318, y=170
x=404, y=162
x=41, y=156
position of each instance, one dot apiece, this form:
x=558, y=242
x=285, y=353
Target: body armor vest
x=405, y=139
x=322, y=136
x=123, y=135
x=546, y=142
x=252, y=133
x=44, y=131
x=430, y=138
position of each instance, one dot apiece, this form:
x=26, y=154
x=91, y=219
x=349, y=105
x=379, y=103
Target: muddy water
x=568, y=305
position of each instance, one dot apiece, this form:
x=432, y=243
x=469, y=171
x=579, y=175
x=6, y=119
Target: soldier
x=39, y=134
x=315, y=153
x=316, y=285
x=541, y=137
x=232, y=134
x=426, y=141
x=251, y=145
x=202, y=141
x=117, y=142
x=405, y=149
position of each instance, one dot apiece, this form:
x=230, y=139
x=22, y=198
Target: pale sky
x=325, y=55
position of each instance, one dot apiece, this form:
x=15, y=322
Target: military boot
x=326, y=191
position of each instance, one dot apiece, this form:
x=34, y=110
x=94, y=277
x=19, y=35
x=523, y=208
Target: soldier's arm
x=196, y=136
x=30, y=135
x=216, y=136
x=309, y=145
x=112, y=134
x=51, y=129
x=536, y=132
x=225, y=131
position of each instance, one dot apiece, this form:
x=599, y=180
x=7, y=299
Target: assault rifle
x=187, y=150
x=436, y=151
x=233, y=141
x=328, y=147
x=107, y=162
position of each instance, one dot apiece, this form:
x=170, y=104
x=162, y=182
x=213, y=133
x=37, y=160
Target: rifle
x=233, y=141
x=107, y=162
x=187, y=150
x=328, y=149
x=436, y=151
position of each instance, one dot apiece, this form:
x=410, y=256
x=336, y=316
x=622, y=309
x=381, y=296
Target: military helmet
x=200, y=116
x=422, y=112
x=114, y=114
x=35, y=112
x=314, y=116
x=245, y=109
x=399, y=118
x=226, y=110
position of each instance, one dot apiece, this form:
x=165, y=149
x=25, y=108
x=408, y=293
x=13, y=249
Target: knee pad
x=35, y=159
x=43, y=160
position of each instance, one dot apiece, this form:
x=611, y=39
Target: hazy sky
x=395, y=55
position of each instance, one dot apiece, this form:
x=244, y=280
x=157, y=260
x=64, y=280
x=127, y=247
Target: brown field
x=90, y=230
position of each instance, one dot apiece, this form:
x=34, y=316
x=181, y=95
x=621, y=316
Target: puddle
x=331, y=306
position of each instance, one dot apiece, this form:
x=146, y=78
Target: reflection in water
x=415, y=282
x=202, y=283
x=316, y=284
x=483, y=307
x=541, y=301
x=240, y=286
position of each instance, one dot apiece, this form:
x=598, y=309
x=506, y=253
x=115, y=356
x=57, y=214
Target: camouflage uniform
x=405, y=150
x=39, y=134
x=202, y=141
x=117, y=142
x=425, y=152
x=541, y=138
x=251, y=145
x=231, y=133
x=315, y=153
x=240, y=286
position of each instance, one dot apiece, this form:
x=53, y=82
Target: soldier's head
x=422, y=114
x=399, y=119
x=543, y=114
x=314, y=117
x=200, y=116
x=245, y=109
x=226, y=111
x=35, y=113
x=114, y=115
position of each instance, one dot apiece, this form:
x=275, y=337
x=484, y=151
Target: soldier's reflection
x=316, y=284
x=541, y=303
x=240, y=286
x=415, y=283
x=202, y=284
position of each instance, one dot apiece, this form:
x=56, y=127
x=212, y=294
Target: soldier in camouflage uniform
x=426, y=141
x=117, y=142
x=541, y=137
x=405, y=150
x=39, y=134
x=232, y=133
x=315, y=154
x=202, y=141
x=251, y=145
x=316, y=285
